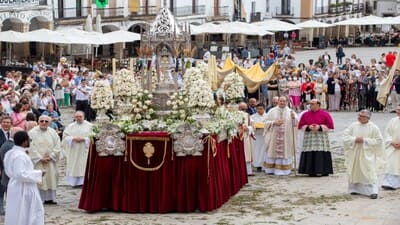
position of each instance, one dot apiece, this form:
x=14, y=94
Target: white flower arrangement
x=102, y=96
x=201, y=97
x=179, y=103
x=226, y=121
x=124, y=84
x=194, y=74
x=142, y=108
x=233, y=87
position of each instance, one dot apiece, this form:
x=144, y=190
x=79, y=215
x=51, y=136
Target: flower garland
x=129, y=126
x=233, y=87
x=102, y=96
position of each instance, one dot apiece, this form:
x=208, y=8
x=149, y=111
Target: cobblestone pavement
x=265, y=199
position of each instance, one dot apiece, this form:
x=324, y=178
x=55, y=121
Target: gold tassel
x=227, y=150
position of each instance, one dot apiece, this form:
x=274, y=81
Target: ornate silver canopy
x=166, y=43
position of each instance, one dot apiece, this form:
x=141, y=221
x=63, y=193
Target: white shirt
x=79, y=95
x=206, y=55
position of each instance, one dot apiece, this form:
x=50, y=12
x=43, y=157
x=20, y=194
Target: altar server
x=24, y=205
x=248, y=135
x=258, y=119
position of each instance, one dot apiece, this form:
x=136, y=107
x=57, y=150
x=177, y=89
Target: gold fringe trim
x=90, y=157
x=277, y=166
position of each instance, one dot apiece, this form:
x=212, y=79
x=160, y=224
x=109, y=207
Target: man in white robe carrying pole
x=24, y=204
x=363, y=145
x=45, y=150
x=76, y=142
x=280, y=133
x=247, y=138
x=258, y=119
x=391, y=178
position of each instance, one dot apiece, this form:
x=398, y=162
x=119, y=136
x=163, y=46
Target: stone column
x=26, y=51
x=346, y=31
x=20, y=49
x=46, y=49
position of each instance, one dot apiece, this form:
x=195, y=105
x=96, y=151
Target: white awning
x=12, y=36
x=119, y=36
x=274, y=25
x=313, y=24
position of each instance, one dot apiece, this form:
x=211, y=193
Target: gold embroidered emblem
x=148, y=150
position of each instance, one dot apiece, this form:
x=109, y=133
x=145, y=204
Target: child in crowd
x=59, y=94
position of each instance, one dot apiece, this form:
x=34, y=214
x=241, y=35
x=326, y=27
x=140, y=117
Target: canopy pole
x=42, y=51
x=10, y=57
x=91, y=49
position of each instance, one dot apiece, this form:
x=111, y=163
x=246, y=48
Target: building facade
x=23, y=16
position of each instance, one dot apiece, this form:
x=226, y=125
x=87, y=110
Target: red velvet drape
x=181, y=184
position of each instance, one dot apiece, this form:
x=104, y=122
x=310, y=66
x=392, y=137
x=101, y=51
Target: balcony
x=7, y=5
x=345, y=8
x=220, y=13
x=83, y=12
x=143, y=11
x=109, y=12
x=72, y=13
x=255, y=17
x=321, y=10
x=189, y=11
x=284, y=12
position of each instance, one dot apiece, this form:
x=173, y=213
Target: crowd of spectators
x=26, y=96
x=348, y=84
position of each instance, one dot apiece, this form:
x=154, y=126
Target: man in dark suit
x=6, y=123
x=252, y=106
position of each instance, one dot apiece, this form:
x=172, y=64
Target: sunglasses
x=43, y=121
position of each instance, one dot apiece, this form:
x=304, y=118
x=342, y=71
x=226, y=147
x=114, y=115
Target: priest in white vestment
x=258, y=119
x=45, y=151
x=280, y=139
x=24, y=205
x=76, y=142
x=247, y=138
x=391, y=178
x=363, y=145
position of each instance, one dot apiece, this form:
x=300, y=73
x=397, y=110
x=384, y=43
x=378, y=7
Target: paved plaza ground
x=265, y=199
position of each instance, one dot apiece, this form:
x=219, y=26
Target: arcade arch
x=132, y=47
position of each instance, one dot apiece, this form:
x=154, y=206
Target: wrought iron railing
x=355, y=8
x=220, y=11
x=109, y=12
x=144, y=11
x=189, y=10
x=321, y=10
x=71, y=13
x=284, y=12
